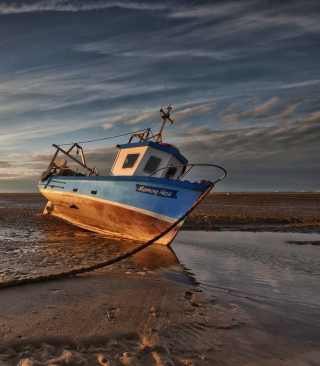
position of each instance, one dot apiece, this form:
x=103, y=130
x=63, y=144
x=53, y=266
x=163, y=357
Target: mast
x=165, y=116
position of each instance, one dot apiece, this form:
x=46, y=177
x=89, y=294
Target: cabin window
x=170, y=173
x=130, y=161
x=152, y=164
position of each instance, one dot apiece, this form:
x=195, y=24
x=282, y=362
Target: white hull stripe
x=128, y=207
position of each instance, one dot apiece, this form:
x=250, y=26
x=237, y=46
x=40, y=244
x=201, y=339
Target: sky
x=243, y=79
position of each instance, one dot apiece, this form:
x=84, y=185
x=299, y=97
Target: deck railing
x=191, y=166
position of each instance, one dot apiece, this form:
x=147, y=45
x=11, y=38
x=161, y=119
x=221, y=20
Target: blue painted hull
x=129, y=206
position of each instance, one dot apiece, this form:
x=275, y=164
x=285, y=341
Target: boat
x=142, y=197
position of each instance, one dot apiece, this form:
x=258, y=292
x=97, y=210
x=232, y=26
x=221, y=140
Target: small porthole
x=75, y=189
x=94, y=192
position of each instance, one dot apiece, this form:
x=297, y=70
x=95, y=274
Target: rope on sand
x=75, y=272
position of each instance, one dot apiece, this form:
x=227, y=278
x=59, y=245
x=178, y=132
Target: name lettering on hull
x=163, y=192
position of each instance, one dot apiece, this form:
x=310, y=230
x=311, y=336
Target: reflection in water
x=259, y=265
x=164, y=261
x=157, y=257
x=277, y=283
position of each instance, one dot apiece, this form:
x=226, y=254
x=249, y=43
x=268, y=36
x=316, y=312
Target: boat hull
x=138, y=209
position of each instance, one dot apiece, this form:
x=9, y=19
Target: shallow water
x=260, y=265
x=274, y=277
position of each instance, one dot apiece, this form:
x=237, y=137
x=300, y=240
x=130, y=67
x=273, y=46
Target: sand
x=126, y=315
x=113, y=320
x=278, y=212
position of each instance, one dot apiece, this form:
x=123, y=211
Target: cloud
x=281, y=157
x=5, y=164
x=157, y=46
x=185, y=125
x=250, y=15
x=313, y=117
x=143, y=117
x=40, y=103
x=231, y=107
x=200, y=109
x=211, y=11
x=28, y=164
x=254, y=112
x=101, y=157
x=106, y=126
x=194, y=133
x=36, y=162
x=299, y=84
x=283, y=114
x=122, y=116
x=71, y=6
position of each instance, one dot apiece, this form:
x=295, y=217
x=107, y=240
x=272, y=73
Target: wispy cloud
x=299, y=84
x=231, y=107
x=194, y=134
x=185, y=125
x=200, y=109
x=143, y=117
x=5, y=164
x=107, y=126
x=286, y=112
x=313, y=117
x=250, y=15
x=257, y=111
x=268, y=147
x=211, y=11
x=71, y=6
x=122, y=117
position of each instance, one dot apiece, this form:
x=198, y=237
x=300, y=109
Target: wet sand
x=131, y=315
x=120, y=319
x=279, y=212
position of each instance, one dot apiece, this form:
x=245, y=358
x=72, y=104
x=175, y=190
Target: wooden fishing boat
x=143, y=195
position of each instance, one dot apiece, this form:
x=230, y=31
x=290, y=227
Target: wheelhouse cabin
x=147, y=157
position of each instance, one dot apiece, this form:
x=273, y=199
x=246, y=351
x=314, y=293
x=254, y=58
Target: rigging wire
x=105, y=138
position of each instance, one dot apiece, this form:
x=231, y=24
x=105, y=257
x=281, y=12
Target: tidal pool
x=260, y=265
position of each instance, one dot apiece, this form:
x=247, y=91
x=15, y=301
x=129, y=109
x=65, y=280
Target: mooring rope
x=74, y=272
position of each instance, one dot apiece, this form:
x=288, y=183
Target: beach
x=136, y=312
x=279, y=212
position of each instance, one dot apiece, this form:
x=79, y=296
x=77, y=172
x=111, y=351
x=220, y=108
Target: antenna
x=163, y=94
x=165, y=116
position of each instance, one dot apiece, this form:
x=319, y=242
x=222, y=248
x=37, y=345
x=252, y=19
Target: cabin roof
x=159, y=146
